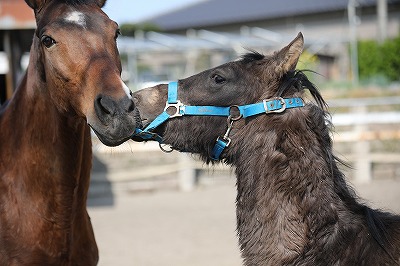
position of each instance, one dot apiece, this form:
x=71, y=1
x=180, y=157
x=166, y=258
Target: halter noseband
x=274, y=105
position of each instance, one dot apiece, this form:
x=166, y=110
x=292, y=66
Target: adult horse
x=293, y=204
x=72, y=81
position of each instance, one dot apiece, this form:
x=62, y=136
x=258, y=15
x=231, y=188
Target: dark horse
x=293, y=204
x=73, y=79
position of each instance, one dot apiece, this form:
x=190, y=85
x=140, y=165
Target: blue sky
x=134, y=10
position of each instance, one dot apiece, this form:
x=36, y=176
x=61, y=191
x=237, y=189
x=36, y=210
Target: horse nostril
x=127, y=105
x=106, y=105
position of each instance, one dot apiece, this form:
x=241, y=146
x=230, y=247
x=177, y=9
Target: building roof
x=222, y=12
x=16, y=14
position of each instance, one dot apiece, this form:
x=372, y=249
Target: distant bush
x=379, y=61
x=128, y=29
x=391, y=58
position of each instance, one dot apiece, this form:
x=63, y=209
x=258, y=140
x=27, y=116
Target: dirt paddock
x=153, y=227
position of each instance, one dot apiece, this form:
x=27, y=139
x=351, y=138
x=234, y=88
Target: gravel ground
x=173, y=228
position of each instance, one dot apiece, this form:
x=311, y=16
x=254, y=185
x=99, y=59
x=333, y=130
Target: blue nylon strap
x=245, y=110
x=147, y=133
x=219, y=147
x=205, y=110
x=164, y=116
x=269, y=106
x=173, y=92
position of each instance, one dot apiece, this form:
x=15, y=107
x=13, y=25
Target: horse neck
x=287, y=181
x=49, y=151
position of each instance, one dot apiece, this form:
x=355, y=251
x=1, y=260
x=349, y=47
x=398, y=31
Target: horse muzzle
x=116, y=119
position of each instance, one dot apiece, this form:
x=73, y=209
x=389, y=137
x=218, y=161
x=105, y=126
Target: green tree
x=391, y=58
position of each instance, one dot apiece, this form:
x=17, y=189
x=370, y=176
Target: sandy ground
x=169, y=227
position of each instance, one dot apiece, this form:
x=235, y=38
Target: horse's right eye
x=48, y=41
x=117, y=33
x=218, y=79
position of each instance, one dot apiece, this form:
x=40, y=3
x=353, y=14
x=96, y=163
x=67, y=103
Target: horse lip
x=111, y=142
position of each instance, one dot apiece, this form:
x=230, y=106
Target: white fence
x=366, y=126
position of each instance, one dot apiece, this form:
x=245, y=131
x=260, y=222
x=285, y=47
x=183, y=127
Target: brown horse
x=72, y=81
x=293, y=204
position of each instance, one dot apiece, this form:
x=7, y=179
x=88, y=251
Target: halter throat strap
x=174, y=108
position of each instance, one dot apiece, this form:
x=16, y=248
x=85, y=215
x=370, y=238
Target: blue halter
x=274, y=105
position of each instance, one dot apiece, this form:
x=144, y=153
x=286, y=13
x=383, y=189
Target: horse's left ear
x=35, y=4
x=101, y=3
x=289, y=55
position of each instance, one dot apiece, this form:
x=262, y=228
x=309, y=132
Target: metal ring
x=165, y=150
x=234, y=118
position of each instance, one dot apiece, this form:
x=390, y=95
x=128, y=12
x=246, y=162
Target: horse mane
x=298, y=80
x=251, y=56
x=377, y=220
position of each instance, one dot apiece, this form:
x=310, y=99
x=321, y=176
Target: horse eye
x=117, y=33
x=218, y=79
x=48, y=41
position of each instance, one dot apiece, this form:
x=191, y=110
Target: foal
x=293, y=204
x=73, y=81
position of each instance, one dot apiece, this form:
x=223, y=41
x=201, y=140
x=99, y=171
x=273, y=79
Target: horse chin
x=109, y=140
x=116, y=128
x=115, y=132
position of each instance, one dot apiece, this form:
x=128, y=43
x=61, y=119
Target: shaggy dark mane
x=251, y=57
x=297, y=80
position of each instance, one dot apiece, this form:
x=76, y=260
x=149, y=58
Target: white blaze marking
x=77, y=18
x=126, y=89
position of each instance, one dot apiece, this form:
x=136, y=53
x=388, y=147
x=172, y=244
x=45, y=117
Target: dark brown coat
x=73, y=79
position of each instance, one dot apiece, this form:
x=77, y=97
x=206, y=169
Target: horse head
x=252, y=79
x=76, y=62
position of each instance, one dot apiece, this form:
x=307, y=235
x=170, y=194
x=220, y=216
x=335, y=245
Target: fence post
x=187, y=172
x=363, y=171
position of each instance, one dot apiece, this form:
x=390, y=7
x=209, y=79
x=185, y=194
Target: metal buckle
x=270, y=103
x=178, y=107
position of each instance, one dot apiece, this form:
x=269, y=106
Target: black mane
x=252, y=56
x=296, y=79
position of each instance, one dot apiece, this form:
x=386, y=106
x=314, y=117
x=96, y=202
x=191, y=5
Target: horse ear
x=35, y=4
x=289, y=55
x=101, y=3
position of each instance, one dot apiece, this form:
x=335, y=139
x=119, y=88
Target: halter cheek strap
x=174, y=108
